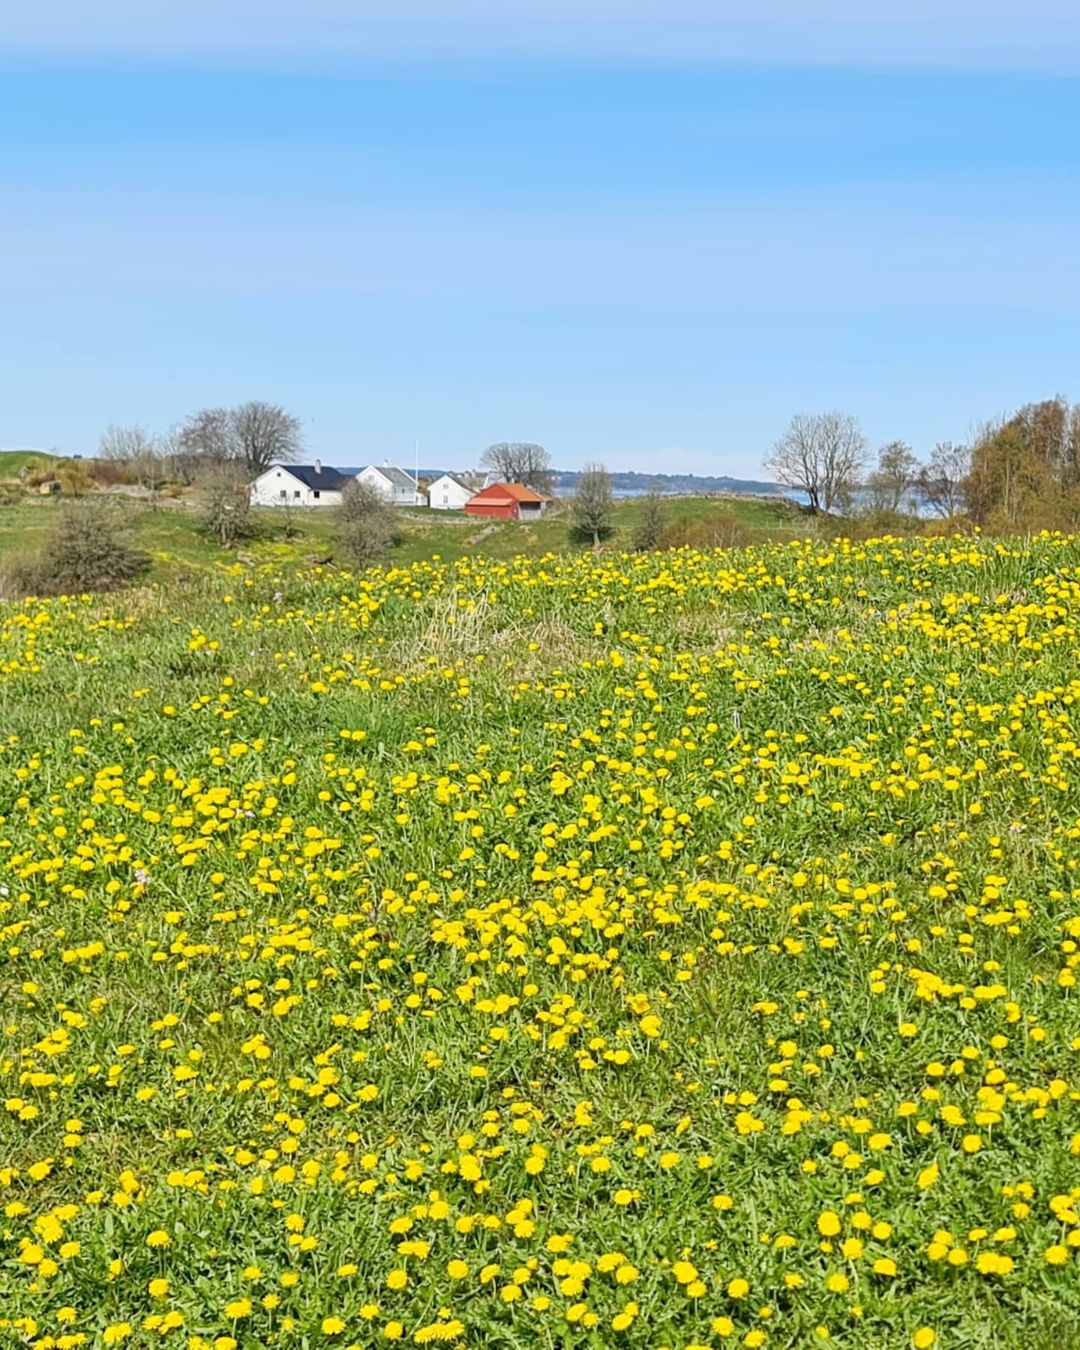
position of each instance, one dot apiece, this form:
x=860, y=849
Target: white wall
x=447, y=495
x=269, y=487
x=391, y=492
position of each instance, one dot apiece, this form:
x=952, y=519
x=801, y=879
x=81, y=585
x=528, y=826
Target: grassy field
x=670, y=950
x=171, y=537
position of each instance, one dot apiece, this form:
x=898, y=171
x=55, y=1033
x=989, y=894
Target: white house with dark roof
x=450, y=491
x=398, y=487
x=299, y=485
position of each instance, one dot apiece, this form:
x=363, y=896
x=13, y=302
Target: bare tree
x=225, y=505
x=253, y=435
x=941, y=482
x=285, y=516
x=206, y=437
x=894, y=477
x=592, y=506
x=520, y=462
x=368, y=524
x=125, y=443
x=653, y=519
x=823, y=454
x=265, y=434
x=141, y=452
x=182, y=460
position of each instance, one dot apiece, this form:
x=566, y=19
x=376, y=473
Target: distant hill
x=630, y=483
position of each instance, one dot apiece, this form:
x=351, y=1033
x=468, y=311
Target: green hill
x=12, y=462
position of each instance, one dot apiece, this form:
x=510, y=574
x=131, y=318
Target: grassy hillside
x=13, y=462
x=171, y=536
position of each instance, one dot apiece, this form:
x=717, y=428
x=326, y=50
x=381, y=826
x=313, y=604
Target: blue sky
x=642, y=233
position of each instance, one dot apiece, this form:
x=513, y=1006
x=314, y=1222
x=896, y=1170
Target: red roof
x=510, y=492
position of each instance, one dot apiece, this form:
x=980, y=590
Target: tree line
x=827, y=457
x=247, y=438
x=1020, y=471
x=255, y=435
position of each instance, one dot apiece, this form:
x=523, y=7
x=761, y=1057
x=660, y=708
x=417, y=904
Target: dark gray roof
x=396, y=476
x=324, y=478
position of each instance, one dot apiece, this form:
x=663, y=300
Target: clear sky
x=641, y=232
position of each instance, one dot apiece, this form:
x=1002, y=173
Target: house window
x=296, y=496
x=283, y=493
x=316, y=494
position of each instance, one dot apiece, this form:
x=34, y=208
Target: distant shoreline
x=630, y=483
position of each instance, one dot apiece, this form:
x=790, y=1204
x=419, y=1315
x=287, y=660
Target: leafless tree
x=253, y=436
x=592, y=506
x=894, y=477
x=941, y=482
x=520, y=462
x=265, y=434
x=824, y=454
x=225, y=505
x=653, y=519
x=285, y=517
x=182, y=460
x=367, y=522
x=143, y=454
x=206, y=435
x=125, y=443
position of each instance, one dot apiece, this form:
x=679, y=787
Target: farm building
x=397, y=486
x=452, y=491
x=509, y=501
x=299, y=485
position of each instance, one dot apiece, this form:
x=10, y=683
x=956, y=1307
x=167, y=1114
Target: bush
x=85, y=551
x=368, y=528
x=74, y=478
x=872, y=523
x=651, y=523
x=225, y=506
x=721, y=529
x=109, y=472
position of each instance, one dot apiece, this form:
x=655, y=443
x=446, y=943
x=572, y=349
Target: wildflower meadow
x=668, y=951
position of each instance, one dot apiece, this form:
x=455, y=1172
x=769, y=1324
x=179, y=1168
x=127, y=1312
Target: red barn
x=509, y=501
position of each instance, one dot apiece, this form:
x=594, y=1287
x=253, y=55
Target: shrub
x=85, y=551
x=225, y=506
x=74, y=477
x=109, y=472
x=651, y=524
x=367, y=526
x=721, y=529
x=872, y=523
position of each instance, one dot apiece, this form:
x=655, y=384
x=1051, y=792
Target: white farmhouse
x=299, y=485
x=450, y=492
x=395, y=485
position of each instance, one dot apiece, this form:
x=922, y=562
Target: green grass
x=171, y=536
x=587, y=950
